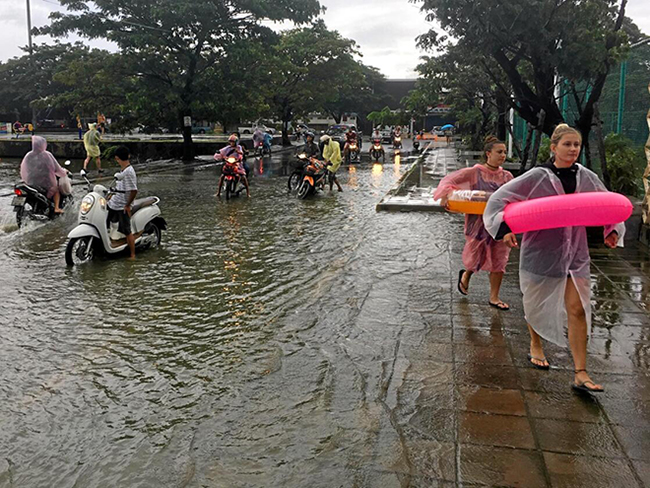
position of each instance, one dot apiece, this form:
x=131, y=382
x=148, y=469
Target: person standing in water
x=91, y=143
x=481, y=251
x=554, y=264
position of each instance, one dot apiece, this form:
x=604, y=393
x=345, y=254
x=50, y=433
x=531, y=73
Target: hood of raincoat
x=39, y=167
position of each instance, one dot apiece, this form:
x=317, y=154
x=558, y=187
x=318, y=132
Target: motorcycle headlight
x=86, y=204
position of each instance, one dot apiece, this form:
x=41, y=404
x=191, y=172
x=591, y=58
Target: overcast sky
x=384, y=29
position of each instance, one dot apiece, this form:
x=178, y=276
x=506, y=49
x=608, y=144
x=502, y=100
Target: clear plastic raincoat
x=549, y=257
x=40, y=168
x=481, y=251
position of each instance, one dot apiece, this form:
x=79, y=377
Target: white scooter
x=93, y=236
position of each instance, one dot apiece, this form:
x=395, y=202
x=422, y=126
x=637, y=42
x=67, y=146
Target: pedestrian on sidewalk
x=91, y=143
x=481, y=251
x=554, y=265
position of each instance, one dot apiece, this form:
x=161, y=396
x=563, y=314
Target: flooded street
x=279, y=342
x=238, y=346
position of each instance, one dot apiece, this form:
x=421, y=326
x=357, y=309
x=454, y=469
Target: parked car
x=249, y=129
x=202, y=129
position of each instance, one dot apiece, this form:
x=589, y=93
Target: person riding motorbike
x=268, y=141
x=350, y=138
x=233, y=149
x=376, y=134
x=40, y=168
x=311, y=149
x=258, y=138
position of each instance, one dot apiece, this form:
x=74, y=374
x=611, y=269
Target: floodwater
x=223, y=358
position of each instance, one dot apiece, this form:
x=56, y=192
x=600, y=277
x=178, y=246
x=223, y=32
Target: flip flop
x=583, y=388
x=539, y=366
x=500, y=305
x=460, y=283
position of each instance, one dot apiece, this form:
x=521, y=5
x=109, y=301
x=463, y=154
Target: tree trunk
x=529, y=140
x=285, y=132
x=538, y=137
x=600, y=140
x=188, y=144
x=502, y=117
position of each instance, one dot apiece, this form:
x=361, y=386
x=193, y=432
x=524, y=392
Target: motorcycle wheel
x=152, y=235
x=229, y=189
x=303, y=191
x=20, y=215
x=79, y=251
x=294, y=180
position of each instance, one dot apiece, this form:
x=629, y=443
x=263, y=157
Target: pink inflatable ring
x=575, y=210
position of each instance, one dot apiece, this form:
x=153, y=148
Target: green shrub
x=544, y=153
x=626, y=163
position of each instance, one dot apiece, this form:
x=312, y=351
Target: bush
x=626, y=164
x=544, y=153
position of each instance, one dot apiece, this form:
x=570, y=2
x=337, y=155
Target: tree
x=176, y=46
x=29, y=81
x=535, y=43
x=305, y=72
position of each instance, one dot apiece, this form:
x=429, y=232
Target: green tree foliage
x=532, y=42
x=177, y=46
x=306, y=73
x=28, y=81
x=625, y=164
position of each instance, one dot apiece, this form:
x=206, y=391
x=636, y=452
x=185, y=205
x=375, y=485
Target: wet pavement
x=277, y=342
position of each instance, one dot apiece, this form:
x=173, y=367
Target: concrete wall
x=141, y=150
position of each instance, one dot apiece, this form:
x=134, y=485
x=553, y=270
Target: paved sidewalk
x=415, y=191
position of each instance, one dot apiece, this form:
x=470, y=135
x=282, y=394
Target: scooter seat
x=142, y=203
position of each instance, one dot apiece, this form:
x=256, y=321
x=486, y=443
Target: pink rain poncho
x=549, y=257
x=40, y=168
x=481, y=251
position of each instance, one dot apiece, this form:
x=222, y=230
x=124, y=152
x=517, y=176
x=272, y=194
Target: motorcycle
x=377, y=151
x=232, y=179
x=92, y=236
x=296, y=176
x=397, y=142
x=31, y=202
x=262, y=149
x=353, y=152
x=313, y=179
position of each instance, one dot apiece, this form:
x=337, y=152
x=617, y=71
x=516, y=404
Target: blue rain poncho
x=549, y=257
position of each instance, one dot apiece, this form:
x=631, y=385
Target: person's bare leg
x=98, y=162
x=464, y=281
x=218, y=194
x=536, y=348
x=86, y=161
x=130, y=240
x=577, y=333
x=338, y=185
x=245, y=180
x=495, y=287
x=57, y=201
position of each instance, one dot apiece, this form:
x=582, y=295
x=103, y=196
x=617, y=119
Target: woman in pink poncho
x=40, y=168
x=481, y=251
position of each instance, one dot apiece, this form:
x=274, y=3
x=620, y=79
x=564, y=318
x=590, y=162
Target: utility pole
x=31, y=51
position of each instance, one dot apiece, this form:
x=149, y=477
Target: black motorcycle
x=377, y=151
x=31, y=202
x=296, y=175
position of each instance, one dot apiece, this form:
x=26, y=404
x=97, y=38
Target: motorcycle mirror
x=118, y=176
x=67, y=163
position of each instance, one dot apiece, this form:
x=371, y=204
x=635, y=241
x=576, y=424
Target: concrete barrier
x=141, y=150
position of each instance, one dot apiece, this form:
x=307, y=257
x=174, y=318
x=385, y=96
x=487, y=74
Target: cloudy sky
x=384, y=29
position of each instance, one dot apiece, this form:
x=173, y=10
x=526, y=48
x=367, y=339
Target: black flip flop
x=496, y=305
x=583, y=388
x=460, y=280
x=539, y=366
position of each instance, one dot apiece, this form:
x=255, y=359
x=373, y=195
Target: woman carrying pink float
x=554, y=263
x=481, y=251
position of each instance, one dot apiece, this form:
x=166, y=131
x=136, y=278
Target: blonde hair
x=561, y=131
x=488, y=143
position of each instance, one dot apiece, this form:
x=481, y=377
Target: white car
x=249, y=129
